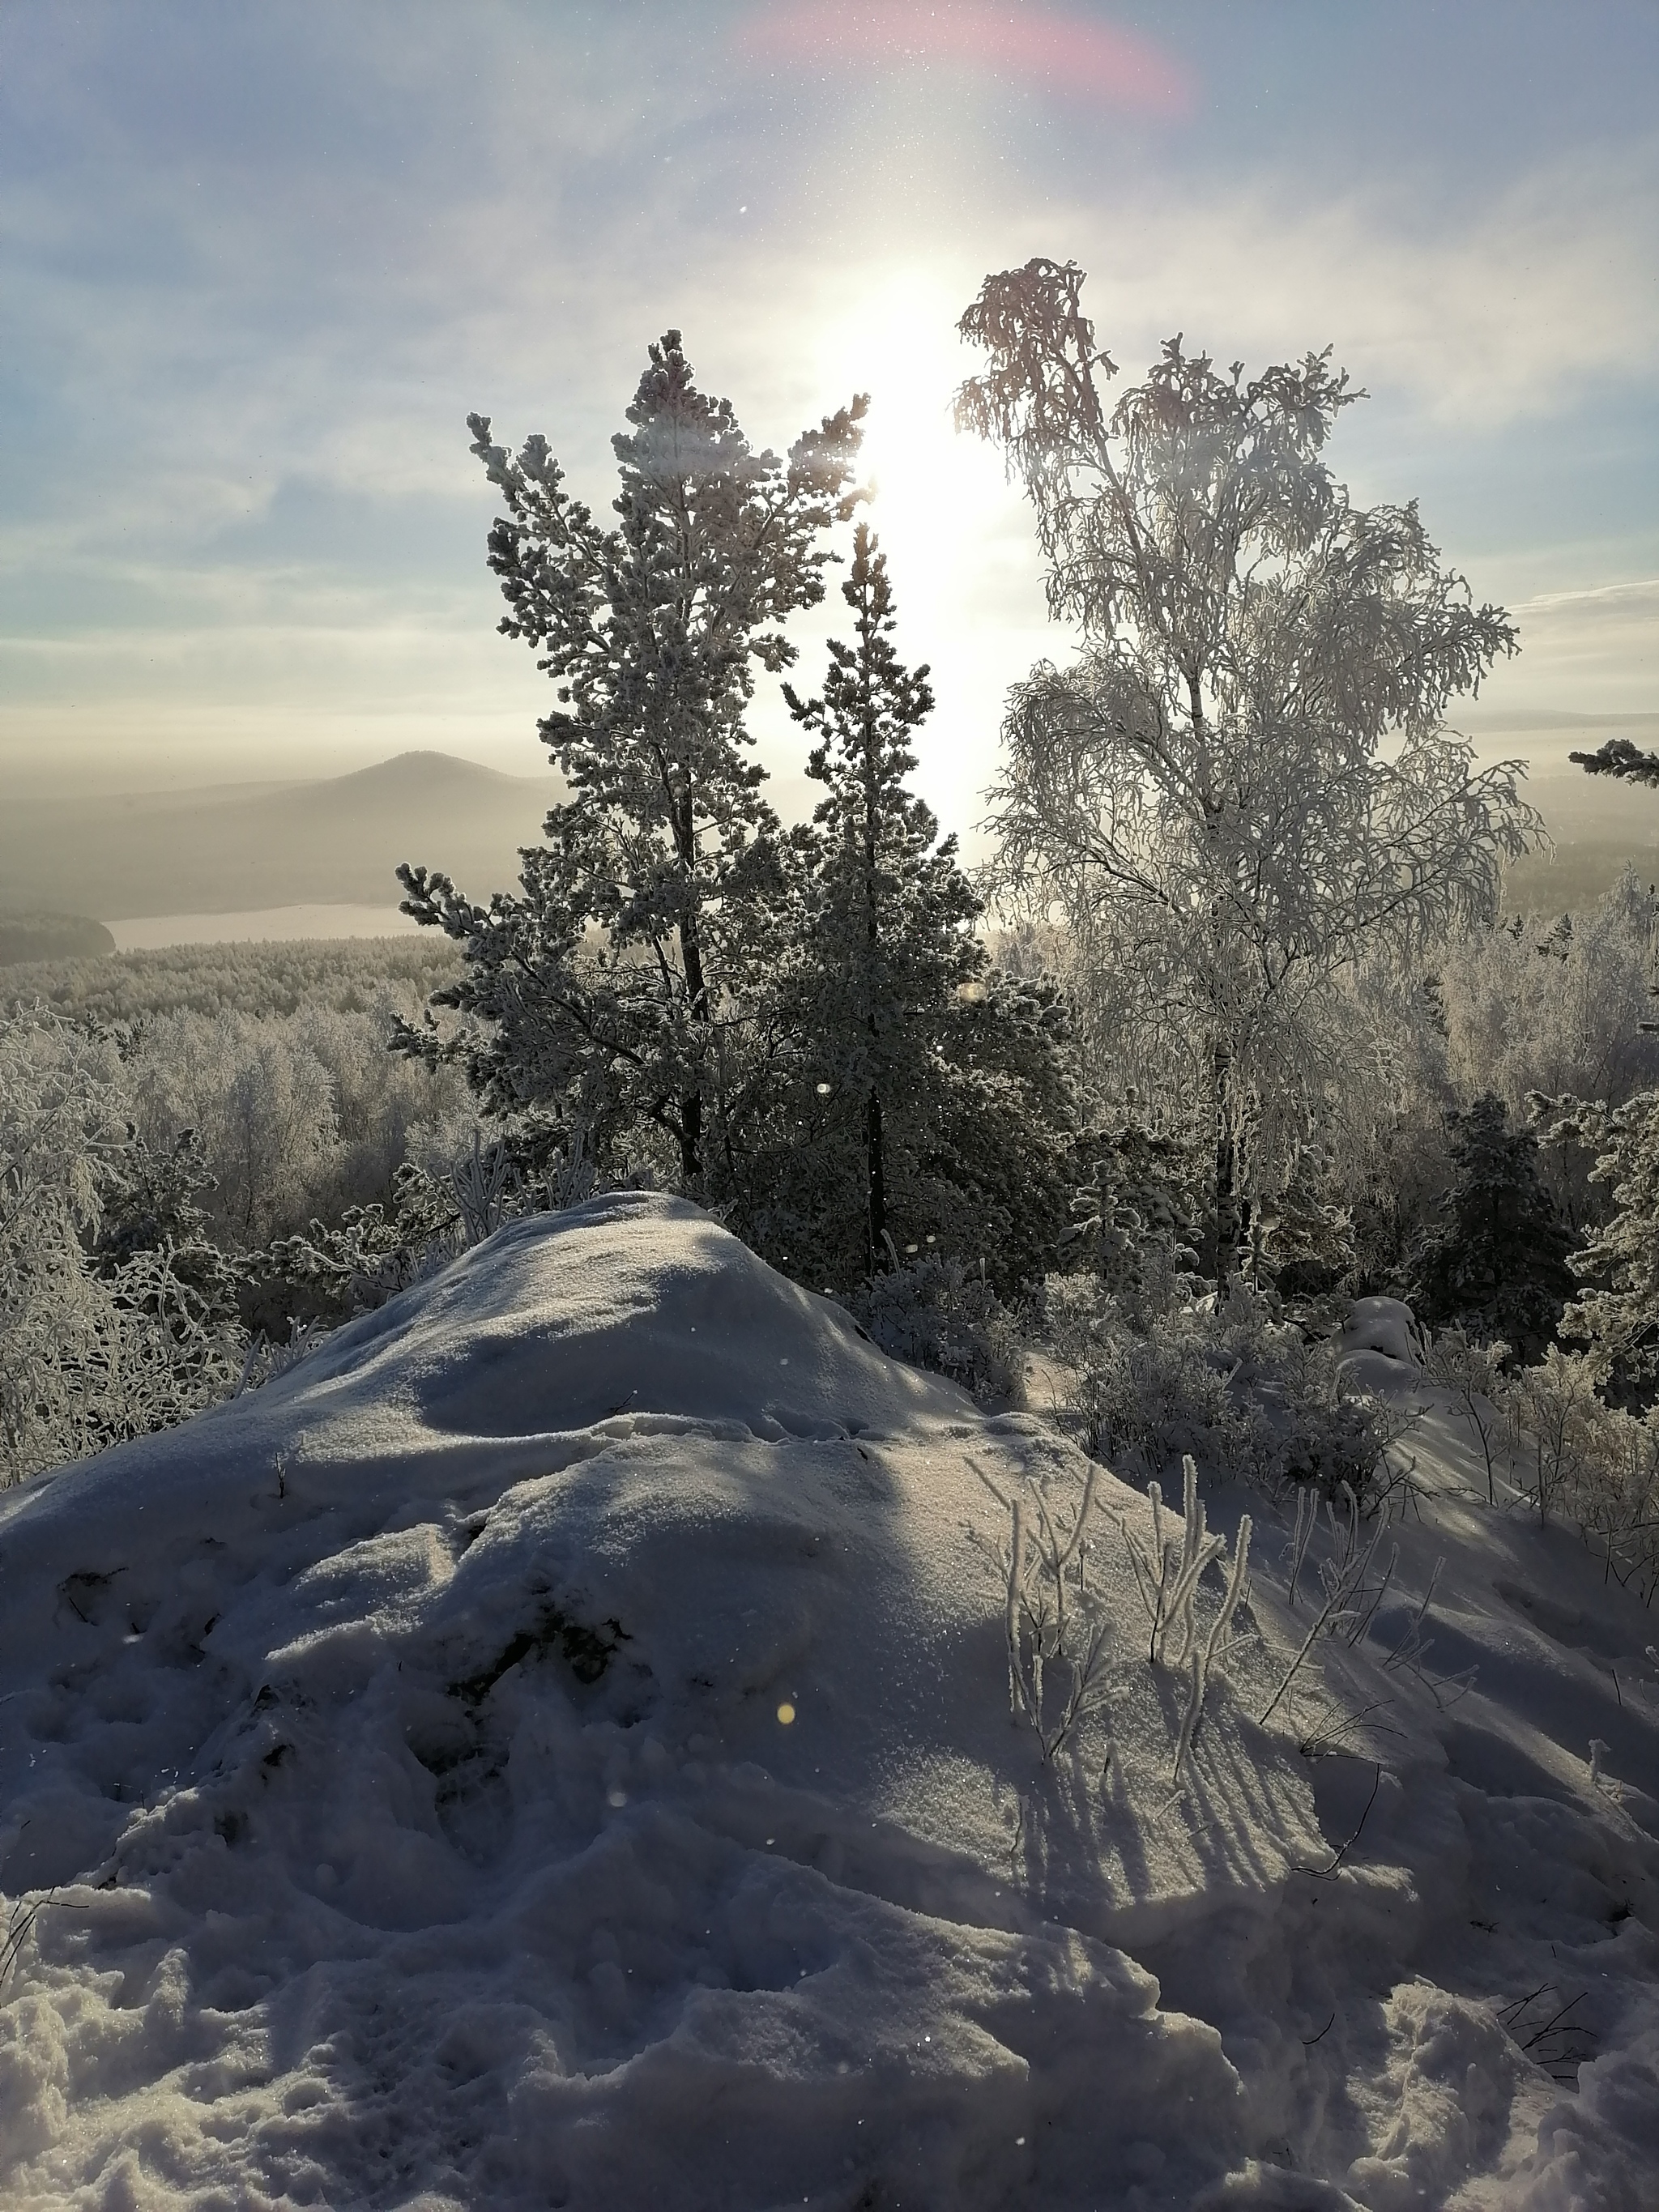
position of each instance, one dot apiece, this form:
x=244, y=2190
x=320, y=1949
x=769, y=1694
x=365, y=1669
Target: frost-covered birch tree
x=617, y=983
x=1243, y=786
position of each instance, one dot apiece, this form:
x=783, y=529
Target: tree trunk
x=690, y=1136
x=696, y=995
x=876, y=1165
x=1226, y=1165
x=878, y=1177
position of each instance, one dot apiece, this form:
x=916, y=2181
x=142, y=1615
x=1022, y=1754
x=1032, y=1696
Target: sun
x=956, y=533
x=934, y=493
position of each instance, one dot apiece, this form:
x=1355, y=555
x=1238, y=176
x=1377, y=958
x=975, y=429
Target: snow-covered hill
x=553, y=1748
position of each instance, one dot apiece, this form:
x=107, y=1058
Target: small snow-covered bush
x=1059, y=1636
x=1554, y=1414
x=1229, y=1384
x=1057, y=1633
x=1141, y=1397
x=1474, y=1373
x=935, y=1313
x=1168, y=1573
x=1584, y=1461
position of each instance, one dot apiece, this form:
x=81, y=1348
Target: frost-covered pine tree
x=1496, y=1263
x=620, y=984
x=1616, y=1316
x=888, y=939
x=1205, y=791
x=1621, y=759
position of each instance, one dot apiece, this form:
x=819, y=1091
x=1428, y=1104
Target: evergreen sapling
x=889, y=940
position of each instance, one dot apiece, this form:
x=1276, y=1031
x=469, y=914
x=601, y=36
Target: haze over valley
x=232, y=847
x=318, y=857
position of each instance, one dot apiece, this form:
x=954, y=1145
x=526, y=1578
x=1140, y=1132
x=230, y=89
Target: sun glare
x=932, y=493
x=955, y=533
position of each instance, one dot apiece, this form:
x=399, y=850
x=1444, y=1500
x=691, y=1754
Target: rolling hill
x=231, y=847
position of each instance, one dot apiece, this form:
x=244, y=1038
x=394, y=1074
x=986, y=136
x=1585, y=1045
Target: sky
x=257, y=262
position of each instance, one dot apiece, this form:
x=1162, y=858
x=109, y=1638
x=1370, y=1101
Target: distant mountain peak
x=424, y=769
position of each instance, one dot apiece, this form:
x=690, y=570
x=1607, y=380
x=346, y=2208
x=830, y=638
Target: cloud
x=1079, y=59
x=1619, y=603
x=1589, y=652
x=246, y=320
x=1474, y=313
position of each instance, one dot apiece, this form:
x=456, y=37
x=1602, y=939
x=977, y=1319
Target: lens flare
x=1044, y=46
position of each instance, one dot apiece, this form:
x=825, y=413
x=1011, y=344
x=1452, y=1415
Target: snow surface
x=553, y=1748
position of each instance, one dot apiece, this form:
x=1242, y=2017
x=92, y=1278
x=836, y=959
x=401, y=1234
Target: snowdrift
x=553, y=1747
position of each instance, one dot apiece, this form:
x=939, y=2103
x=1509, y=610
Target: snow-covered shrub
x=1057, y=1634
x=1230, y=1384
x=327, y=1274
x=324, y=1276
x=1142, y=1398
x=938, y=1313
x=1581, y=1460
x=1168, y=1573
x=1474, y=1373
x=1553, y=1411
x=1212, y=1651
x=168, y=1355
x=1617, y=1316
x=1059, y=1637
x=1351, y=1598
x=1616, y=1501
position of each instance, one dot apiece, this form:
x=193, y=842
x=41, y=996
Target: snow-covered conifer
x=618, y=983
x=1496, y=1264
x=888, y=941
x=922, y=1103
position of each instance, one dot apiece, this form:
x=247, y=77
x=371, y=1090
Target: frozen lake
x=147, y=931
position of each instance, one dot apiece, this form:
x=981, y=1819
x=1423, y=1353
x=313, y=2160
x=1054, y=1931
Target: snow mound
x=553, y=1747
x=631, y=1303
x=1384, y=1324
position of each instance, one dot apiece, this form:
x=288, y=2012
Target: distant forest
x=344, y=976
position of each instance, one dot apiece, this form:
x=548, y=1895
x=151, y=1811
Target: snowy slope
x=553, y=1748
